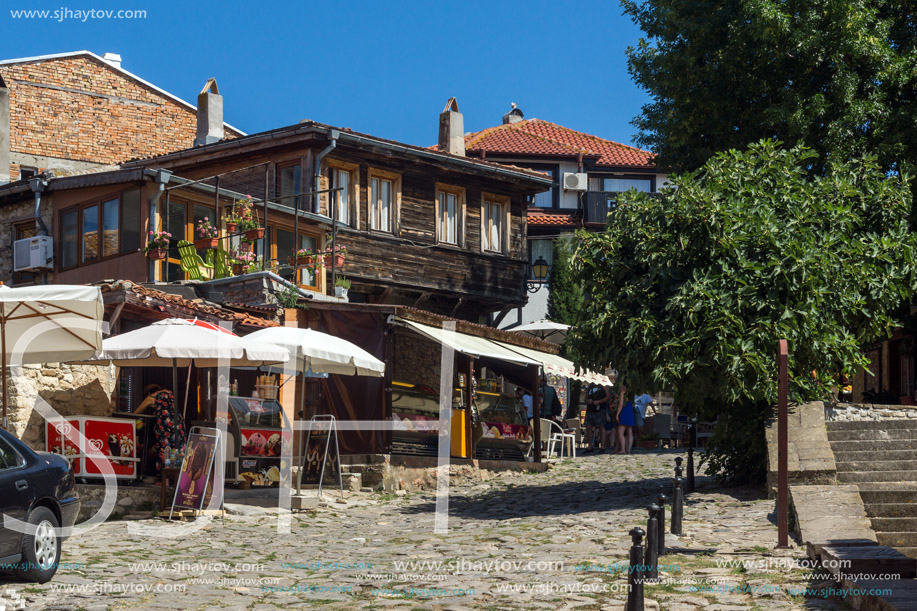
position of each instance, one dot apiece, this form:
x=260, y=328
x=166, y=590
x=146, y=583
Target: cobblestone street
x=521, y=541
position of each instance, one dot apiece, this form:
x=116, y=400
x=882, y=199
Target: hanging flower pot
x=337, y=259
x=231, y=227
x=206, y=243
x=156, y=254
x=254, y=234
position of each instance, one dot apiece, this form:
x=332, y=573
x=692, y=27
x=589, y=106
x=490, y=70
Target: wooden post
x=782, y=449
x=536, y=414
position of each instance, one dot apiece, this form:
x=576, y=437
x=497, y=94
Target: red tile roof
x=545, y=139
x=554, y=220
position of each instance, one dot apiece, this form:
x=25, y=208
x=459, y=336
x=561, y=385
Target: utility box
x=33, y=253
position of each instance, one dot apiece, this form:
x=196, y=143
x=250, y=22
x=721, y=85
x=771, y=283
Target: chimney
x=209, y=114
x=113, y=58
x=513, y=116
x=452, y=129
x=4, y=132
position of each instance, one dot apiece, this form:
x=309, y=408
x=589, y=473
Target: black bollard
x=677, y=504
x=660, y=525
x=652, y=548
x=678, y=460
x=635, y=579
x=690, y=482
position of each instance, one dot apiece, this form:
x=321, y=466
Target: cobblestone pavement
x=522, y=541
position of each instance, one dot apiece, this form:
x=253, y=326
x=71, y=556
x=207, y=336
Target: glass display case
x=503, y=430
x=415, y=419
x=257, y=440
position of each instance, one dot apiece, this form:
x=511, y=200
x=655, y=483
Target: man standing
x=527, y=404
x=641, y=402
x=596, y=399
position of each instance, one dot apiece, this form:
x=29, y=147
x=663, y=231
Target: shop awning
x=557, y=364
x=470, y=344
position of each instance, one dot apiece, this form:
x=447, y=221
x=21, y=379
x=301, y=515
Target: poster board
x=320, y=453
x=194, y=479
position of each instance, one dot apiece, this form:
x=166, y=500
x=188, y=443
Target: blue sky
x=385, y=68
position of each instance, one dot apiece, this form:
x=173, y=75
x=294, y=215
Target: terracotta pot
x=206, y=243
x=231, y=227
x=302, y=261
x=648, y=445
x=236, y=269
x=254, y=234
x=156, y=254
x=338, y=260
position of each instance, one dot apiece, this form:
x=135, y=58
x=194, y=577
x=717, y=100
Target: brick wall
x=88, y=111
x=416, y=360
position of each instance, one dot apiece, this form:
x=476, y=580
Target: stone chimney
x=452, y=129
x=513, y=116
x=4, y=132
x=113, y=58
x=209, y=114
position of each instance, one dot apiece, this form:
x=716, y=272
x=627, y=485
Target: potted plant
x=649, y=441
x=341, y=286
x=244, y=207
x=232, y=221
x=304, y=256
x=251, y=229
x=336, y=255
x=243, y=261
x=207, y=234
x=157, y=244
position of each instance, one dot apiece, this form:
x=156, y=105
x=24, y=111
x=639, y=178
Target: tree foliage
x=691, y=290
x=566, y=295
x=839, y=76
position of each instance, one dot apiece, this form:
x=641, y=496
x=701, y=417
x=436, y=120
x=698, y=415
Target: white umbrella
x=176, y=342
x=546, y=330
x=322, y=352
x=73, y=330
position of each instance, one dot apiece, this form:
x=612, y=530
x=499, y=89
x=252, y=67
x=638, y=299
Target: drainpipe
x=318, y=170
x=38, y=184
x=581, y=196
x=160, y=178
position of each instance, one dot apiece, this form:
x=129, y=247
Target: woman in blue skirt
x=626, y=423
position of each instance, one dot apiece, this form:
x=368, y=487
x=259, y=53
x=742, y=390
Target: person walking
x=626, y=422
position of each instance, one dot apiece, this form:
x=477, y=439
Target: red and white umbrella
x=209, y=325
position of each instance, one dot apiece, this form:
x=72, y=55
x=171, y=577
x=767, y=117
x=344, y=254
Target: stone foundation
x=131, y=499
x=858, y=412
x=809, y=457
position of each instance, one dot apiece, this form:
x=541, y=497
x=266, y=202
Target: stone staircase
x=880, y=458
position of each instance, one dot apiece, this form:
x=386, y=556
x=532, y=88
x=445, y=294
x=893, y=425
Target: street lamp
x=539, y=273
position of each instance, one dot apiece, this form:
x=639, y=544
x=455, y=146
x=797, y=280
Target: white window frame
x=375, y=179
x=443, y=191
x=490, y=203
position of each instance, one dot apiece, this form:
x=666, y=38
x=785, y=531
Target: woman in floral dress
x=169, y=426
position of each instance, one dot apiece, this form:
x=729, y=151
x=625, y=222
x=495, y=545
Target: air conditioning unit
x=575, y=182
x=33, y=253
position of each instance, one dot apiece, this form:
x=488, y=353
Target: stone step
x=839, y=558
x=889, y=497
x=886, y=486
x=869, y=455
x=897, y=539
x=895, y=525
x=865, y=425
x=871, y=445
x=875, y=465
x=873, y=435
x=853, y=477
x=891, y=510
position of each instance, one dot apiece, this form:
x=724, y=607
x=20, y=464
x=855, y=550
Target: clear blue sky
x=385, y=68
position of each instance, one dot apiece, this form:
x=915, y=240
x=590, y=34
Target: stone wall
x=857, y=412
x=416, y=360
x=72, y=390
x=810, y=459
x=15, y=213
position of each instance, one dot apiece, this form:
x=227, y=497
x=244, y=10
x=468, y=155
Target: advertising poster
x=192, y=480
x=57, y=431
x=315, y=457
x=114, y=438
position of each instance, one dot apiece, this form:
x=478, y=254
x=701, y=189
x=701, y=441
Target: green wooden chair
x=191, y=262
x=219, y=260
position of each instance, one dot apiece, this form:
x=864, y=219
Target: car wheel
x=40, y=551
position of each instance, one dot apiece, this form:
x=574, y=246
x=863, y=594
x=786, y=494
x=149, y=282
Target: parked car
x=38, y=488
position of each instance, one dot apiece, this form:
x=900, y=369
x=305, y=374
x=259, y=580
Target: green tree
x=565, y=299
x=838, y=76
x=694, y=288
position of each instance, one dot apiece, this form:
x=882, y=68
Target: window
x=22, y=231
x=289, y=185
x=9, y=458
x=100, y=229
x=619, y=185
x=494, y=221
x=384, y=199
x=342, y=196
x=25, y=172
x=545, y=199
x=450, y=205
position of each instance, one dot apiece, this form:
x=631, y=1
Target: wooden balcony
x=598, y=203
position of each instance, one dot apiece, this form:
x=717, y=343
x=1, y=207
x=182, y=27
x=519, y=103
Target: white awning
x=470, y=344
x=558, y=365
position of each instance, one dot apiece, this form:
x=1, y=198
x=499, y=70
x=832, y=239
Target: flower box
x=337, y=259
x=254, y=234
x=156, y=254
x=206, y=243
x=303, y=261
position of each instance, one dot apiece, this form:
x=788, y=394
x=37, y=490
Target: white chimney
x=4, y=132
x=113, y=58
x=513, y=116
x=452, y=129
x=209, y=114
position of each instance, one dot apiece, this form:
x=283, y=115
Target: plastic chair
x=552, y=436
x=191, y=262
x=576, y=426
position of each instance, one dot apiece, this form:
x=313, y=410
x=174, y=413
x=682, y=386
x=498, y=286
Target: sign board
x=194, y=478
x=320, y=454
